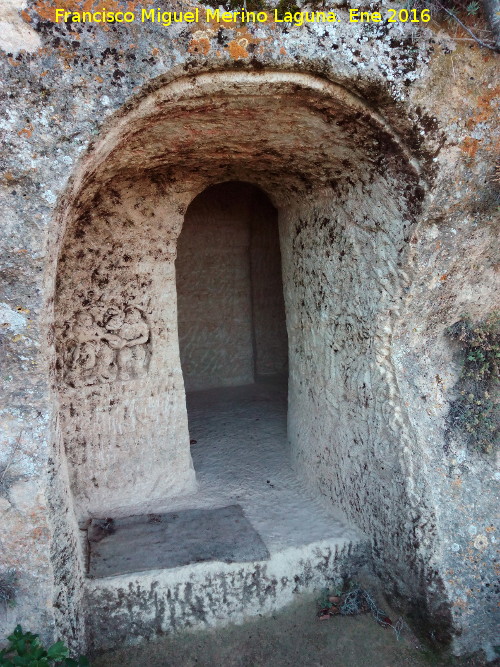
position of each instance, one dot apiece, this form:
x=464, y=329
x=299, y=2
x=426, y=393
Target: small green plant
x=451, y=15
x=472, y=8
x=25, y=649
x=476, y=410
x=324, y=601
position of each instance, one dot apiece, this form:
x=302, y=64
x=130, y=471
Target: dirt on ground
x=293, y=637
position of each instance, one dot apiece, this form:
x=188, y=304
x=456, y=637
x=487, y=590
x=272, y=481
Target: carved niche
x=118, y=347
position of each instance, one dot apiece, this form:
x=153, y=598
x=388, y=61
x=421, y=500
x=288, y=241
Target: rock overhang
x=291, y=133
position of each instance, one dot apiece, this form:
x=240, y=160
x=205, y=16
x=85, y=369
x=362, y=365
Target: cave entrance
x=232, y=327
x=349, y=192
x=231, y=311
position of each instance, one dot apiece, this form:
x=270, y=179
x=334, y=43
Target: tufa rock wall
x=377, y=145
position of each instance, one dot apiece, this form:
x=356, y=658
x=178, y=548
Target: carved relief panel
x=105, y=348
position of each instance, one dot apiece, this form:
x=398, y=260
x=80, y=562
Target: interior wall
x=347, y=425
x=121, y=393
x=213, y=289
x=269, y=322
x=231, y=316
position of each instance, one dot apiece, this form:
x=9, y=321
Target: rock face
x=376, y=146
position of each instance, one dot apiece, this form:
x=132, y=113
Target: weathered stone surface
x=166, y=541
x=15, y=33
x=378, y=152
x=206, y=594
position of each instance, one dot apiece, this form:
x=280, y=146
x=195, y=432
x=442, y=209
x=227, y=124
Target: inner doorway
x=231, y=312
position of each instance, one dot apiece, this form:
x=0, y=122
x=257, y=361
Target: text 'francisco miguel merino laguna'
x=216, y=15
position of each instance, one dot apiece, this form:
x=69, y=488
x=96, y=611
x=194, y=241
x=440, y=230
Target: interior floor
x=241, y=456
x=249, y=504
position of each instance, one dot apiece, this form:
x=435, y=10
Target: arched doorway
x=348, y=192
x=233, y=345
x=231, y=311
x=343, y=234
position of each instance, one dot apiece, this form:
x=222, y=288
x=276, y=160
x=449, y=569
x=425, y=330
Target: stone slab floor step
x=158, y=541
